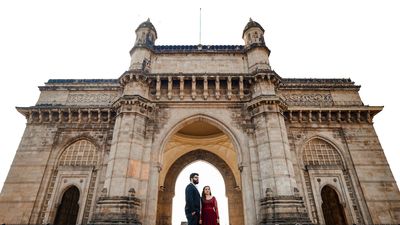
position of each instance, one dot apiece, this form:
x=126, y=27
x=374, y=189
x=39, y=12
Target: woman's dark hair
x=203, y=195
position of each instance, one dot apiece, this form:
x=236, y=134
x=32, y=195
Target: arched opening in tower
x=67, y=211
x=332, y=209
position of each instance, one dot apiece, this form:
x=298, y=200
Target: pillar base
x=283, y=210
x=117, y=210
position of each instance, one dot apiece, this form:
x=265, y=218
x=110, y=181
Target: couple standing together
x=200, y=210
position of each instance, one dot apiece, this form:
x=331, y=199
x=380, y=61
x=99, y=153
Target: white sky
x=208, y=176
x=40, y=40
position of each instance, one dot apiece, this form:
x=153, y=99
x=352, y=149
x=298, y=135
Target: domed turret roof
x=251, y=24
x=147, y=24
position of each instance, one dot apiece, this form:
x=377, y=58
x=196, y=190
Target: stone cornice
x=269, y=75
x=132, y=76
x=265, y=103
x=357, y=114
x=80, y=84
x=64, y=114
x=134, y=104
x=317, y=83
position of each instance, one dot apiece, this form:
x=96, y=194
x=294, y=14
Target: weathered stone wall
x=368, y=187
x=373, y=173
x=84, y=93
x=21, y=187
x=199, y=63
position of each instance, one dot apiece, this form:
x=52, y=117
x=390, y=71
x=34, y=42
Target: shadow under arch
x=167, y=191
x=195, y=118
x=332, y=208
x=67, y=211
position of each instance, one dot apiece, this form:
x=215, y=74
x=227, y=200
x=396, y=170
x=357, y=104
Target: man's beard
x=195, y=181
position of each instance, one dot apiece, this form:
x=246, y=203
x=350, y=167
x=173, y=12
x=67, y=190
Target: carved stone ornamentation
x=87, y=98
x=308, y=99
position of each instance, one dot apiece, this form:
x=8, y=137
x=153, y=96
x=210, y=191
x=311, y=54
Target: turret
x=146, y=36
x=257, y=51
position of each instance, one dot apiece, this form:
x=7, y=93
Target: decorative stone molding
x=363, y=114
x=67, y=115
x=268, y=75
x=89, y=98
x=134, y=104
x=308, y=99
x=317, y=84
x=265, y=103
x=133, y=75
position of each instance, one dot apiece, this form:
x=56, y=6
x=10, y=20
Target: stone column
x=280, y=203
x=126, y=169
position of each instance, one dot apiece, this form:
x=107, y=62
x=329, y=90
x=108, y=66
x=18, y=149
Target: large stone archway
x=167, y=191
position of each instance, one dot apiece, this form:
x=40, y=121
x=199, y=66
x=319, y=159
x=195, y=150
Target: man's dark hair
x=192, y=175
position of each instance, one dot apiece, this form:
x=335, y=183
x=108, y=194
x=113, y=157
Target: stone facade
x=291, y=151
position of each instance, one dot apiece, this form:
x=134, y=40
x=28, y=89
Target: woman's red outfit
x=209, y=211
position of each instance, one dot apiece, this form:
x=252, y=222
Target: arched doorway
x=67, y=212
x=332, y=209
x=166, y=192
x=209, y=176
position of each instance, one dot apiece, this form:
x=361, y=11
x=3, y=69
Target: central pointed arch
x=166, y=193
x=201, y=118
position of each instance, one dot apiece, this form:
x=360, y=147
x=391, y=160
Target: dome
x=147, y=24
x=251, y=24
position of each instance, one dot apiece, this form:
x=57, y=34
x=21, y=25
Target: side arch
x=332, y=208
x=338, y=191
x=67, y=211
x=325, y=165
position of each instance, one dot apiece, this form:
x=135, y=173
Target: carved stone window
x=79, y=153
x=318, y=152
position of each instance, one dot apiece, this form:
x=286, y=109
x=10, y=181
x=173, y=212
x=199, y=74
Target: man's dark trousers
x=193, y=220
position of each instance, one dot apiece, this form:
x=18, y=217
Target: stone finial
x=296, y=192
x=104, y=192
x=132, y=192
x=268, y=192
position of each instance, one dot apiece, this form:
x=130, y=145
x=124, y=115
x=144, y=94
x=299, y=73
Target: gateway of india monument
x=109, y=151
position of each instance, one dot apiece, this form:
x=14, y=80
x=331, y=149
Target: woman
x=209, y=208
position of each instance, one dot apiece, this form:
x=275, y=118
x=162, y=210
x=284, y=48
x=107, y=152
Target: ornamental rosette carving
x=99, y=98
x=308, y=99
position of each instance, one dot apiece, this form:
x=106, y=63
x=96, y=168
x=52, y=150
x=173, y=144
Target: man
x=193, y=201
